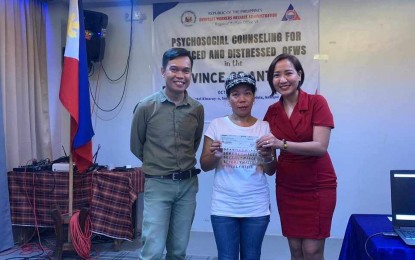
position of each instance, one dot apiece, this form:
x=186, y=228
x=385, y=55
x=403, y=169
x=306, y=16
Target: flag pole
x=74, y=95
x=70, y=193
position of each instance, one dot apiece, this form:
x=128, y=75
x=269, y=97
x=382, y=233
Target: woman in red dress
x=306, y=182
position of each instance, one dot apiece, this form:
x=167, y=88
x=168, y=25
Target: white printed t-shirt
x=240, y=187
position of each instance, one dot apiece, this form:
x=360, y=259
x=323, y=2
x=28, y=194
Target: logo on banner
x=291, y=14
x=188, y=18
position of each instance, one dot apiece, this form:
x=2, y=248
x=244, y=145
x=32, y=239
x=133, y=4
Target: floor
x=273, y=247
x=201, y=247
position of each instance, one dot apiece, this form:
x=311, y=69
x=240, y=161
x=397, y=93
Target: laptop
x=403, y=204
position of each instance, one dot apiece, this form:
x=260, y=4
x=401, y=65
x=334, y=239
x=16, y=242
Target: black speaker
x=95, y=30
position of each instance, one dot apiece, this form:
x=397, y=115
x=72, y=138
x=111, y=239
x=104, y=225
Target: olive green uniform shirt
x=165, y=137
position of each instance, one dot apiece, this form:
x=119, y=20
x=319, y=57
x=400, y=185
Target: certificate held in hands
x=239, y=151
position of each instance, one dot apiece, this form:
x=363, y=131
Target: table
x=109, y=195
x=364, y=226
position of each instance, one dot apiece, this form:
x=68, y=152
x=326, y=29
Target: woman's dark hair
x=296, y=63
x=173, y=53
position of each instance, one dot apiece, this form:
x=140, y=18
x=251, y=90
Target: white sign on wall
x=229, y=36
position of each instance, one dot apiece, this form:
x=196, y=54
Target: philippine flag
x=74, y=89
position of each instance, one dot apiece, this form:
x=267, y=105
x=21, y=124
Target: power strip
x=60, y=167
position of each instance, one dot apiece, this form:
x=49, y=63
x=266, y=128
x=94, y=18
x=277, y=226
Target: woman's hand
x=268, y=141
x=265, y=152
x=211, y=154
x=215, y=149
x=266, y=149
x=316, y=147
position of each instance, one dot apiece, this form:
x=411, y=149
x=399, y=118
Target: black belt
x=176, y=176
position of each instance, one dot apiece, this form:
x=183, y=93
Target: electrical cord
x=81, y=239
x=367, y=240
x=40, y=256
x=386, y=234
x=91, y=70
x=125, y=72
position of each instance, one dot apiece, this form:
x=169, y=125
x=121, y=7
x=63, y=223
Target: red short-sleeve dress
x=305, y=185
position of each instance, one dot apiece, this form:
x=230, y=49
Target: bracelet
x=270, y=161
x=285, y=145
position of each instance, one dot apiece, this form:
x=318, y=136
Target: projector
x=60, y=167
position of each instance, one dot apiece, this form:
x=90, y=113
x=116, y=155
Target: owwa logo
x=291, y=14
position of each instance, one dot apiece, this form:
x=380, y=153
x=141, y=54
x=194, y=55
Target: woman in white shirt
x=240, y=198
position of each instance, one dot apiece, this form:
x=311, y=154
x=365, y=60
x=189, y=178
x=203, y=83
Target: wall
x=369, y=84
x=366, y=80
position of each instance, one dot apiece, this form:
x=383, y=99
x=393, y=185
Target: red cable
x=81, y=240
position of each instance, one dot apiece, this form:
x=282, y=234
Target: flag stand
x=62, y=221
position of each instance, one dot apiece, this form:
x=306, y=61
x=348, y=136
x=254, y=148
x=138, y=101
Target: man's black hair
x=173, y=53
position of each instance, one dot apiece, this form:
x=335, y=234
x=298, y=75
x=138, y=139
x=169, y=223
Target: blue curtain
x=6, y=235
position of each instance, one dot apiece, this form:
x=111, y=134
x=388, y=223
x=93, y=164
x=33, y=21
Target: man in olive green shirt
x=165, y=134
